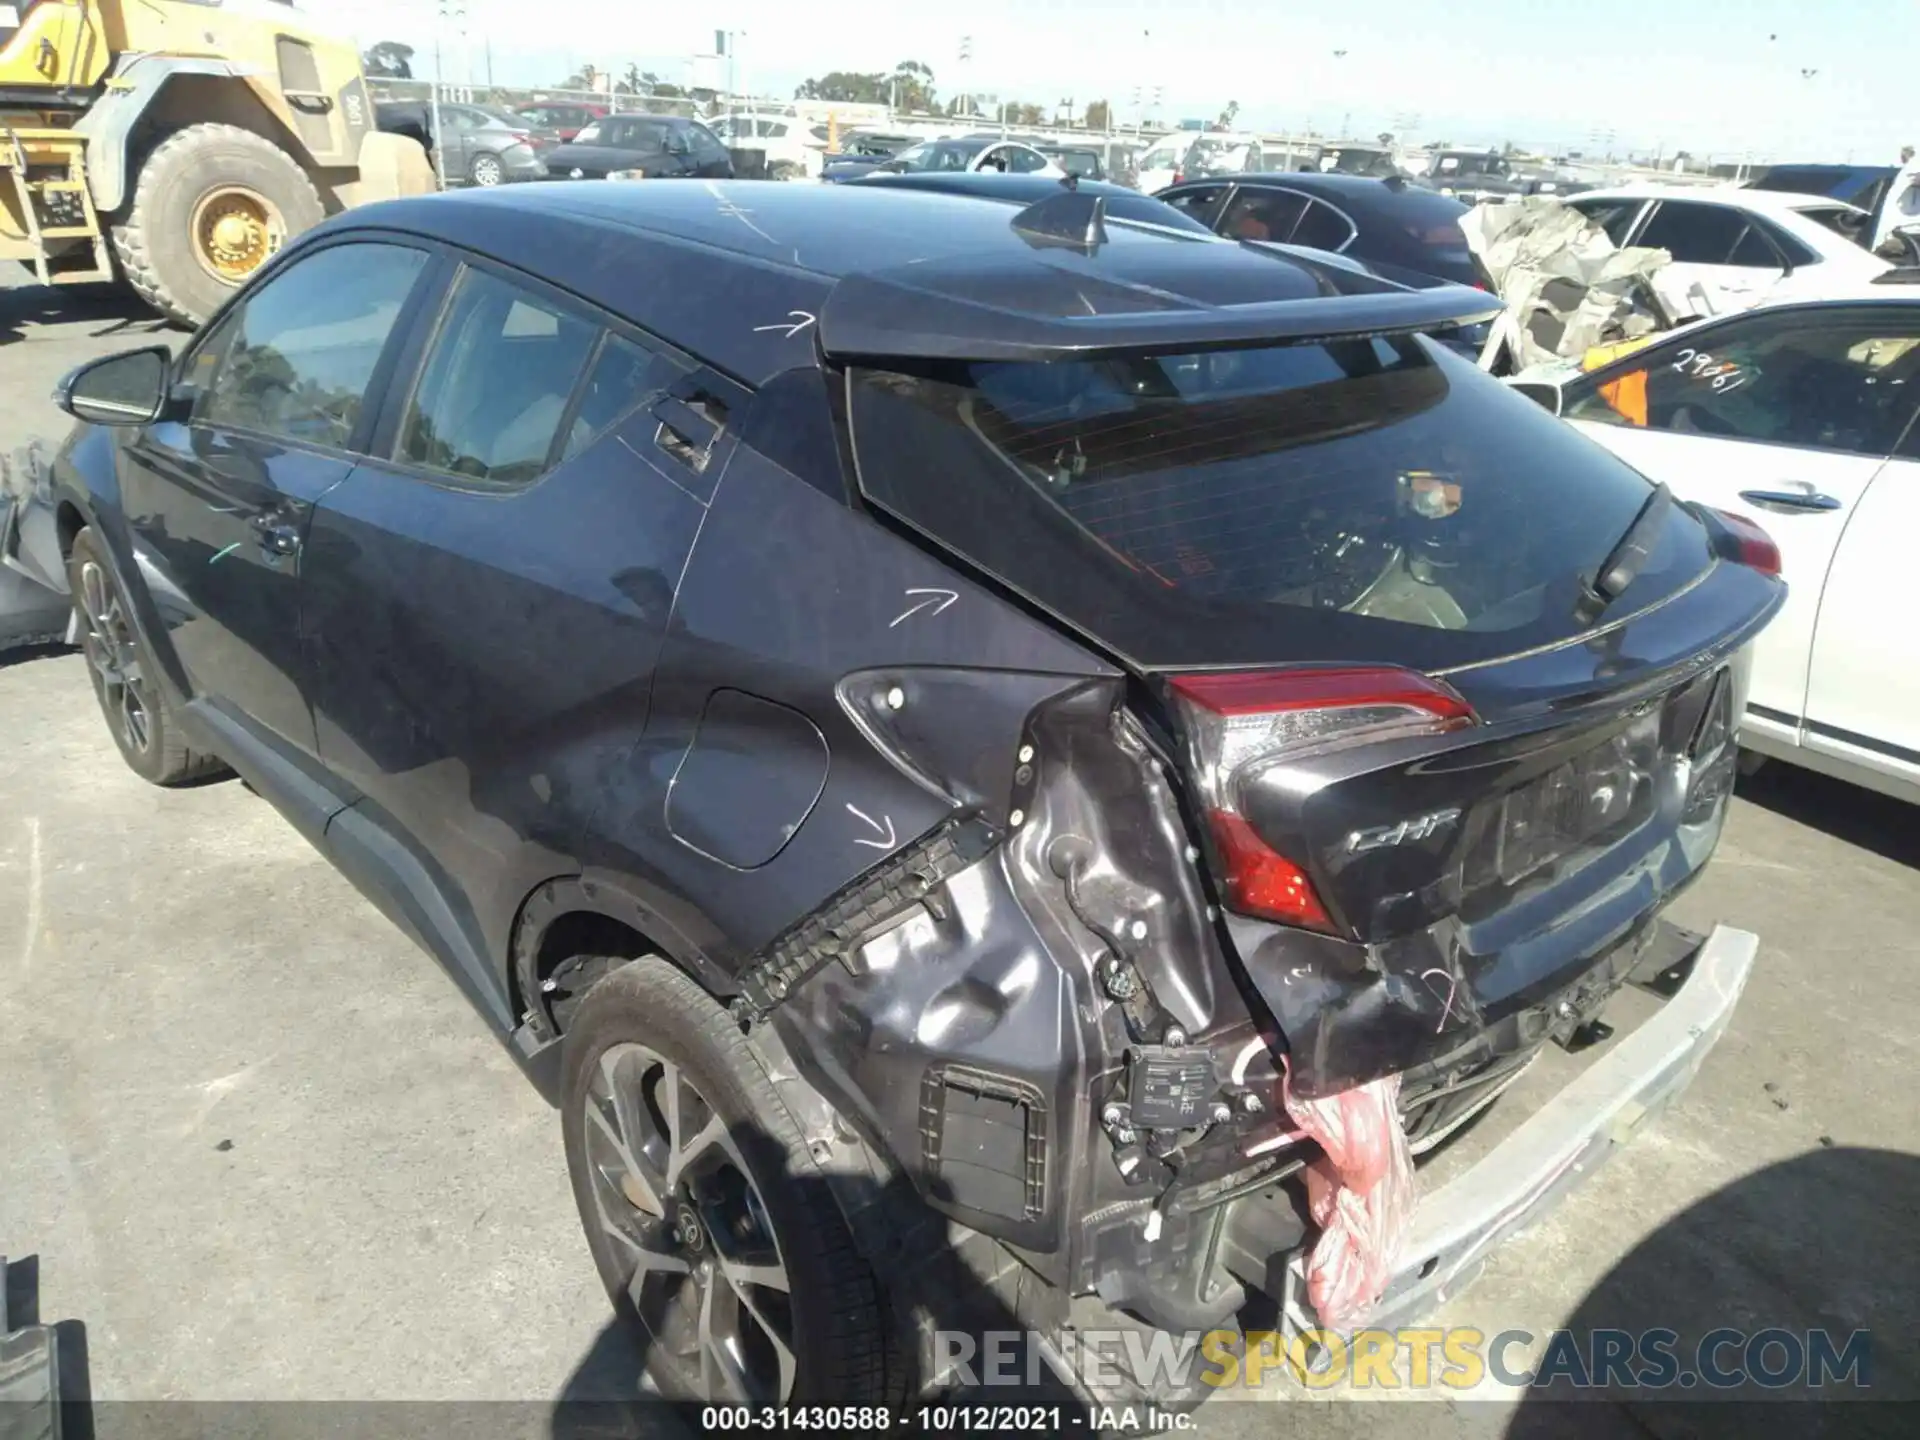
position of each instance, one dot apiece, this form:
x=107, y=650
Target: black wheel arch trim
x=613, y=899
x=115, y=547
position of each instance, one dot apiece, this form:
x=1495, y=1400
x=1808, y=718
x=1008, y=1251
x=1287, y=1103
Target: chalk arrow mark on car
x=887, y=829
x=936, y=601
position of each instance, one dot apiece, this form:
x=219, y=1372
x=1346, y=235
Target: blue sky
x=1706, y=75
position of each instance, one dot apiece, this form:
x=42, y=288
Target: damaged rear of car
x=1422, y=712
x=1005, y=769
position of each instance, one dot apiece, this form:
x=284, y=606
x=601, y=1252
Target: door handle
x=1808, y=499
x=276, y=536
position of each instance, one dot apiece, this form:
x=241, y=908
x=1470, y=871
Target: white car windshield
x=1165, y=156
x=934, y=155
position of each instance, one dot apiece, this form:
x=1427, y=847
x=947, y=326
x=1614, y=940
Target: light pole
x=452, y=12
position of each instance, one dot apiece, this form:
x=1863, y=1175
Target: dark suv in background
x=907, y=715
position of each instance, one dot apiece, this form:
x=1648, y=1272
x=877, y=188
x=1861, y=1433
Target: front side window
x=1616, y=217
x=1199, y=202
x=705, y=147
x=1838, y=384
x=1022, y=161
x=294, y=360
x=496, y=384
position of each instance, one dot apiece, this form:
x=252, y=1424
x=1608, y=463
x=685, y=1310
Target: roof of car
x=1125, y=202
x=1761, y=202
x=1339, y=181
x=891, y=270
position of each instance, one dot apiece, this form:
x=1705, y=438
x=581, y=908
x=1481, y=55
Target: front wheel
x=707, y=1220
x=139, y=714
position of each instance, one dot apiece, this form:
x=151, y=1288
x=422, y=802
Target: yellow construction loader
x=177, y=144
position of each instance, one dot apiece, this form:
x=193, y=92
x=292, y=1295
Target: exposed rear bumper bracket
x=1563, y=1143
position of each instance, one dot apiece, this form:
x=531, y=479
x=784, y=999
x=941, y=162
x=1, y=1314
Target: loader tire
x=212, y=205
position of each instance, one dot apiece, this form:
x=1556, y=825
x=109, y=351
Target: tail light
x=1752, y=546
x=1241, y=723
x=1178, y=176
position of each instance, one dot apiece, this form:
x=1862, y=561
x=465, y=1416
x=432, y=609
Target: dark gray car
x=931, y=729
x=483, y=147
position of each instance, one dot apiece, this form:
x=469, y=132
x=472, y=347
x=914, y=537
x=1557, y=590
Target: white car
x=1193, y=155
x=972, y=153
x=790, y=156
x=1733, y=249
x=1804, y=418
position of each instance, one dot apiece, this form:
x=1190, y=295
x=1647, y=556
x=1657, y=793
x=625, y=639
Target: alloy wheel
x=687, y=1224
x=118, y=675
x=486, y=171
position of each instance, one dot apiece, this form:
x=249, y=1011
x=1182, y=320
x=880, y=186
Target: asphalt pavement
x=260, y=1147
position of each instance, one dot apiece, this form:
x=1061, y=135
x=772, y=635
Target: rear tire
x=747, y=1194
x=244, y=194
x=133, y=698
x=485, y=170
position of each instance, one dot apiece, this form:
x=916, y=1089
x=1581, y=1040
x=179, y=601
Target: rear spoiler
x=1056, y=302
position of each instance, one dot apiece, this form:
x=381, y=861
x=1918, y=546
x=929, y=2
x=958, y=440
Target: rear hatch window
x=1372, y=498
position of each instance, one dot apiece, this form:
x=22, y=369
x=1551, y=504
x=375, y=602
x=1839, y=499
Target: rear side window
x=1706, y=235
x=623, y=376
x=294, y=360
x=1854, y=225
x=1184, y=507
x=496, y=383
x=1257, y=214
x=1323, y=228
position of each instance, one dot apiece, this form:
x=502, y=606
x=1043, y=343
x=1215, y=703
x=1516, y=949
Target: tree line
x=908, y=87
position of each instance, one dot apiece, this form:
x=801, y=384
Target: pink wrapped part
x=1361, y=1195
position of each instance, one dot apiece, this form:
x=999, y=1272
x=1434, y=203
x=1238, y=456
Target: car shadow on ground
x=1821, y=1243
x=26, y=654
x=1888, y=827
x=113, y=309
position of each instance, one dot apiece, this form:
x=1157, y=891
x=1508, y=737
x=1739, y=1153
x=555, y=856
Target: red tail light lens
x=1756, y=546
x=1240, y=723
x=1259, y=880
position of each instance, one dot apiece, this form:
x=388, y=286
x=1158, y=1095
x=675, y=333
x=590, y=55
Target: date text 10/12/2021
x=948, y=1418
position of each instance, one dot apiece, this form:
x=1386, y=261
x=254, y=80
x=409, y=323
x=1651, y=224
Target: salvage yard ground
x=263, y=1149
